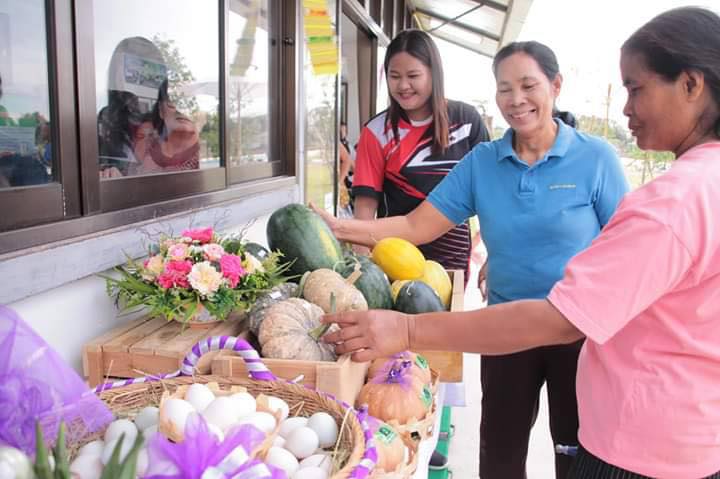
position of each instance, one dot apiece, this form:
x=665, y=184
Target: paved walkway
x=464, y=447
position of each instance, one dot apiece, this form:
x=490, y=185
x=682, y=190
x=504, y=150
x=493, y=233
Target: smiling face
x=524, y=94
x=410, y=84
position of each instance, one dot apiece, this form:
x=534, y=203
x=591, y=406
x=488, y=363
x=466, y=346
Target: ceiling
x=480, y=26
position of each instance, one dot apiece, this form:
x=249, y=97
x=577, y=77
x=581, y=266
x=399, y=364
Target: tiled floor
x=464, y=447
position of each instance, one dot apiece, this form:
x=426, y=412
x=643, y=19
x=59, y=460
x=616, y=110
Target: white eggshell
x=94, y=448
x=221, y=412
x=86, y=467
x=176, y=411
x=261, y=420
x=325, y=427
x=282, y=459
x=279, y=441
x=142, y=462
x=302, y=442
x=216, y=432
x=147, y=417
x=200, y=396
x=323, y=461
x=110, y=446
x=51, y=463
x=310, y=472
x=119, y=427
x=290, y=424
x=161, y=468
x=244, y=403
x=149, y=432
x=277, y=404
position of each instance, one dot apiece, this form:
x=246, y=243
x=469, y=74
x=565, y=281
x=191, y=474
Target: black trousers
x=511, y=393
x=587, y=466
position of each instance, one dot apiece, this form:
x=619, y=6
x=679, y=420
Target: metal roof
x=480, y=26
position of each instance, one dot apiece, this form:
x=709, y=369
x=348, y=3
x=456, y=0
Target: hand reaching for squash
x=329, y=219
x=369, y=334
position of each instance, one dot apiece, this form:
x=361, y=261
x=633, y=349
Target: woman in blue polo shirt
x=542, y=193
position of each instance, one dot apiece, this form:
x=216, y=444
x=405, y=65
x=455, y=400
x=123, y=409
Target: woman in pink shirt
x=645, y=294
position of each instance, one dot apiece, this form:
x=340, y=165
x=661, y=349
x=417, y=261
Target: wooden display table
x=148, y=346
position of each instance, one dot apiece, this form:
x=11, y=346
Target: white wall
x=70, y=315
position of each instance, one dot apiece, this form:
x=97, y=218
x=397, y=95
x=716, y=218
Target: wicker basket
x=404, y=470
x=125, y=398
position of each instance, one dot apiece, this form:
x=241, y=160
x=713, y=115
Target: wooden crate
x=148, y=346
x=342, y=378
x=449, y=364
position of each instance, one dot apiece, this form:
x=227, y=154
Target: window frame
x=81, y=204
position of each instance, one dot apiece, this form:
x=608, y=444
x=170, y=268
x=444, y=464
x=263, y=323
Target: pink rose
x=202, y=236
x=232, y=269
x=213, y=251
x=178, y=251
x=175, y=275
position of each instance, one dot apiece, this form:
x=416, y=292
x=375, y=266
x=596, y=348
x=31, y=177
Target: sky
x=586, y=36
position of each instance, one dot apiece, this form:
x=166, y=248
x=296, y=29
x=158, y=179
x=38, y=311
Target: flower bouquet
x=198, y=277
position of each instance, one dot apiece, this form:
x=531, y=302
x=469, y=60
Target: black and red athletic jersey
x=401, y=173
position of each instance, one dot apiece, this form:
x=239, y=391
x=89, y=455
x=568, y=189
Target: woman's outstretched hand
x=329, y=219
x=369, y=334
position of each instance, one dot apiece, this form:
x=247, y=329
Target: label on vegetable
x=426, y=397
x=421, y=361
x=385, y=434
x=275, y=294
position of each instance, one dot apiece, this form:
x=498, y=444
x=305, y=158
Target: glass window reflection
x=156, y=86
x=248, y=89
x=26, y=152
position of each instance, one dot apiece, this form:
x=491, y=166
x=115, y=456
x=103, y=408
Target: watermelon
x=303, y=238
x=416, y=297
x=257, y=250
x=372, y=283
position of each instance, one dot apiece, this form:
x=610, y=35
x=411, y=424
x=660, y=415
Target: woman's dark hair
x=682, y=39
x=419, y=44
x=163, y=96
x=546, y=60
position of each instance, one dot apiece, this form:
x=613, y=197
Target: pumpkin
x=278, y=293
x=418, y=364
x=396, y=396
x=319, y=286
x=303, y=238
x=290, y=330
x=438, y=279
x=399, y=258
x=388, y=444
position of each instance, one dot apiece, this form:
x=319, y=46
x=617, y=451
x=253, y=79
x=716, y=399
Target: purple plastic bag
x=202, y=450
x=36, y=384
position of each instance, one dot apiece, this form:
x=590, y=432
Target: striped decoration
x=259, y=372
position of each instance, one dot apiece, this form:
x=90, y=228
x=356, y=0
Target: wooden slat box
x=148, y=346
x=449, y=364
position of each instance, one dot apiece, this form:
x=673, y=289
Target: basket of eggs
x=219, y=427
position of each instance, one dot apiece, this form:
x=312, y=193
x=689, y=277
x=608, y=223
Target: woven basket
x=352, y=460
x=404, y=470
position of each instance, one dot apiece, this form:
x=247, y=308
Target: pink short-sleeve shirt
x=646, y=294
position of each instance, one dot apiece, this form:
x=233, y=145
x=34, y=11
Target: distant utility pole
x=607, y=111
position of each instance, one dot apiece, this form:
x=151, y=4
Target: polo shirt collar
x=558, y=149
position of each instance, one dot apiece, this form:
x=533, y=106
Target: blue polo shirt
x=533, y=219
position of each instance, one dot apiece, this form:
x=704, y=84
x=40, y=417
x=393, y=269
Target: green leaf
x=62, y=466
x=128, y=467
x=42, y=464
x=112, y=468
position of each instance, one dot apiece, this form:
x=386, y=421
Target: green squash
x=416, y=297
x=373, y=283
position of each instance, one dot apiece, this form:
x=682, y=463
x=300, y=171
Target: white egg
x=199, y=396
x=142, y=462
x=221, y=412
x=244, y=403
x=279, y=441
x=149, y=432
x=51, y=463
x=176, y=411
x=325, y=427
x=161, y=468
x=282, y=459
x=86, y=467
x=277, y=404
x=119, y=427
x=110, y=447
x=290, y=424
x=261, y=420
x=147, y=417
x=302, y=442
x=94, y=448
x=323, y=461
x=311, y=472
